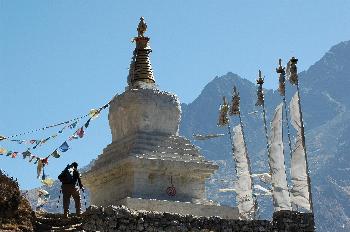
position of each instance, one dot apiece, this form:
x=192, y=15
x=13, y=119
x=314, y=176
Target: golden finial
x=142, y=27
x=140, y=67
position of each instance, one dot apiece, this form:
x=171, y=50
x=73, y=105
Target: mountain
x=326, y=112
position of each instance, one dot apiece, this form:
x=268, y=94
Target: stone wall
x=120, y=218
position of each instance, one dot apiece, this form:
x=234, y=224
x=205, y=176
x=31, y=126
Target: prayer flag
x=14, y=154
x=73, y=137
x=80, y=132
x=87, y=123
x=45, y=160
x=2, y=137
x=73, y=125
x=55, y=154
x=2, y=151
x=64, y=147
x=280, y=193
x=25, y=154
x=299, y=173
x=94, y=113
x=39, y=167
x=48, y=182
x=45, y=140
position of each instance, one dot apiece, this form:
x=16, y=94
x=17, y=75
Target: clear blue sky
x=58, y=59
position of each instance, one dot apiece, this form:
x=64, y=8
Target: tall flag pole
x=280, y=196
x=225, y=121
x=261, y=102
x=292, y=74
x=282, y=90
x=243, y=161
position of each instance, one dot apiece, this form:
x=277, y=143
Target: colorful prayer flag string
x=64, y=147
x=43, y=128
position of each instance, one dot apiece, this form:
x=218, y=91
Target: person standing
x=71, y=182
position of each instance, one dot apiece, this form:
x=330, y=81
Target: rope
x=44, y=128
x=50, y=126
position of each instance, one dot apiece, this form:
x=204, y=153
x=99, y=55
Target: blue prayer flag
x=64, y=147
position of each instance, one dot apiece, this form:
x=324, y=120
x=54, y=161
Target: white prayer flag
x=243, y=185
x=300, y=189
x=280, y=193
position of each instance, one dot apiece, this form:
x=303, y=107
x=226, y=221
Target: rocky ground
x=15, y=211
x=56, y=222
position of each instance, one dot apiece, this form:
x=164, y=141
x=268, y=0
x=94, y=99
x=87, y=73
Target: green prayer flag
x=55, y=154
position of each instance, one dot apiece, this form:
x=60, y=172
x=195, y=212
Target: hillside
x=15, y=211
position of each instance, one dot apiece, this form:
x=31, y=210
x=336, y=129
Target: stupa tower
x=148, y=165
x=140, y=71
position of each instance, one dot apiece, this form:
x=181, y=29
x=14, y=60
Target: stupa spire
x=141, y=72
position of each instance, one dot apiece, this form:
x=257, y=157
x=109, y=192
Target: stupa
x=148, y=166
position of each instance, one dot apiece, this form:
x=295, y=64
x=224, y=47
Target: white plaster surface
x=148, y=110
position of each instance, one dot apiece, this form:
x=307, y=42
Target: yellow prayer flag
x=94, y=113
x=48, y=182
x=3, y=150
